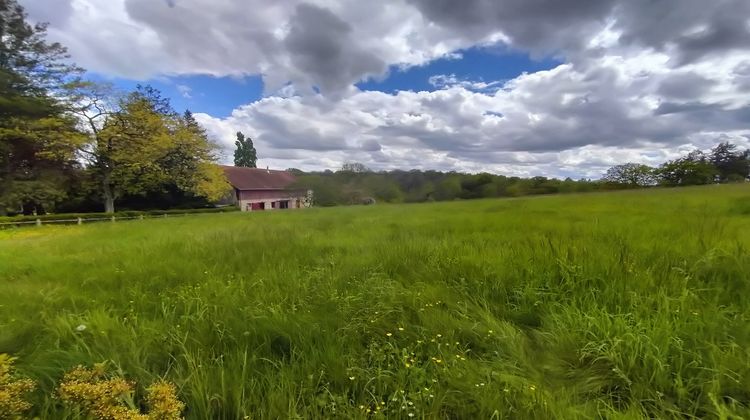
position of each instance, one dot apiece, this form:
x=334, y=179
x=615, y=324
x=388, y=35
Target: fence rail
x=82, y=220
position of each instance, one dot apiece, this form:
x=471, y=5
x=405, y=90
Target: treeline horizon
x=354, y=183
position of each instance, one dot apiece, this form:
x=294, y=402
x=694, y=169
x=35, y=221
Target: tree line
x=354, y=183
x=725, y=163
x=67, y=144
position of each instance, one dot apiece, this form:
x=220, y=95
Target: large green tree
x=37, y=138
x=693, y=169
x=631, y=175
x=732, y=164
x=138, y=144
x=245, y=154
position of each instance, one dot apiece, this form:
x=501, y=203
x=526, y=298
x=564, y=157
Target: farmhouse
x=263, y=189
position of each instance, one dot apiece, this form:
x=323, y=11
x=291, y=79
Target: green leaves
x=144, y=145
x=245, y=154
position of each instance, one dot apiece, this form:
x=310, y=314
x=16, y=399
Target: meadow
x=620, y=305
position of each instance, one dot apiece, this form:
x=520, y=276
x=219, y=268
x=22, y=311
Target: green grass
x=611, y=305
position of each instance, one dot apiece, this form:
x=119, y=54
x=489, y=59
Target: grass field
x=614, y=305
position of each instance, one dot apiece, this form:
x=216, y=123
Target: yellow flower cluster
x=100, y=397
x=162, y=401
x=12, y=390
x=111, y=398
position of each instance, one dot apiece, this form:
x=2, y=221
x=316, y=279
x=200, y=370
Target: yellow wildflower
x=12, y=390
x=162, y=401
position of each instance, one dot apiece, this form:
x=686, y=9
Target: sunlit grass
x=611, y=305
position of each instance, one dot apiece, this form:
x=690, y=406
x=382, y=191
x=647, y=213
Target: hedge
x=120, y=214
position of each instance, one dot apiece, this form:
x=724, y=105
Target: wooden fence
x=82, y=220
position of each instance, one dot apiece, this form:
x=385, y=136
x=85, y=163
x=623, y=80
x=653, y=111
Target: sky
x=560, y=88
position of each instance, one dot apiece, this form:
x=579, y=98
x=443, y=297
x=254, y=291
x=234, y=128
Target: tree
x=731, y=164
x=631, y=175
x=355, y=167
x=37, y=138
x=245, y=154
x=448, y=188
x=138, y=144
x=692, y=169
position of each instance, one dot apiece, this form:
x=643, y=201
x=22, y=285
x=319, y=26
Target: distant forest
x=354, y=183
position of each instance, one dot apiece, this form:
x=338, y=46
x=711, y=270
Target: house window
x=284, y=204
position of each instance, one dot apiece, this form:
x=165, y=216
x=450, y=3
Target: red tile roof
x=245, y=179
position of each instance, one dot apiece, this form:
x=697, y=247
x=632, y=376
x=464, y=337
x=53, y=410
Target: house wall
x=248, y=197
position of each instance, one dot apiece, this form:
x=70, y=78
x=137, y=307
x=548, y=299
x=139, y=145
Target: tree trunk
x=109, y=197
x=109, y=204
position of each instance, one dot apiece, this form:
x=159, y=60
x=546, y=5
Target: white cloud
x=643, y=80
x=561, y=122
x=442, y=81
x=185, y=91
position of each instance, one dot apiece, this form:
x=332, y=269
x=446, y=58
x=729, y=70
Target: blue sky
x=475, y=64
x=199, y=93
x=219, y=96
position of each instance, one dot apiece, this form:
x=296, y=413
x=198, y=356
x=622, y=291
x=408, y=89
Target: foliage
x=355, y=167
x=352, y=186
x=724, y=163
x=13, y=390
x=731, y=164
x=245, y=154
x=613, y=305
x=693, y=169
x=95, y=393
x=37, y=139
x=631, y=175
x=140, y=144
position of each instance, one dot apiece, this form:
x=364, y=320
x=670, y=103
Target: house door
x=258, y=206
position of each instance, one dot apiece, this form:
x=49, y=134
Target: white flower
x=81, y=328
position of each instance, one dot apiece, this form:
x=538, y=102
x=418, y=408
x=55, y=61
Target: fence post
x=113, y=218
x=80, y=221
x=38, y=222
x=165, y=215
x=140, y=217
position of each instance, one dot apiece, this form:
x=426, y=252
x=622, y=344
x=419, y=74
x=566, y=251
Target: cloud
x=442, y=81
x=185, y=91
x=641, y=79
x=567, y=121
x=688, y=29
x=55, y=13
x=331, y=44
x=685, y=85
x=322, y=50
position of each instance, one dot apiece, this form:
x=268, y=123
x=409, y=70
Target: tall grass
x=612, y=305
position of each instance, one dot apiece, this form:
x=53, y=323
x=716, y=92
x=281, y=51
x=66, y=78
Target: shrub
x=95, y=393
x=12, y=390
